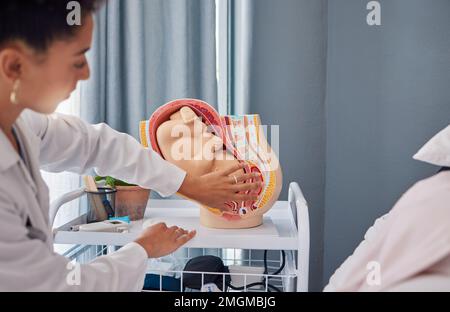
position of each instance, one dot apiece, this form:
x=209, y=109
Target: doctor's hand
x=159, y=240
x=217, y=188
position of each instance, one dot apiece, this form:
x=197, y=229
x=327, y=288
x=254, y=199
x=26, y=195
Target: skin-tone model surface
x=204, y=152
x=186, y=141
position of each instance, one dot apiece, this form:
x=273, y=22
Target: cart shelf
x=278, y=231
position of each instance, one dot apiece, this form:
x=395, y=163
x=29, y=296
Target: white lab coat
x=64, y=143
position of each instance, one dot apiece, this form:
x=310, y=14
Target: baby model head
x=192, y=135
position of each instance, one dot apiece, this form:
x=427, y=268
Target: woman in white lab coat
x=41, y=61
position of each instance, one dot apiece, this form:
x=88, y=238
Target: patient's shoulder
x=427, y=200
x=436, y=187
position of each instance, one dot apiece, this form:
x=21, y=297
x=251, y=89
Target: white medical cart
x=284, y=240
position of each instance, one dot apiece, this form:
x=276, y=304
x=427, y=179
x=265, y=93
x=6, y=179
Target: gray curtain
x=241, y=49
x=146, y=53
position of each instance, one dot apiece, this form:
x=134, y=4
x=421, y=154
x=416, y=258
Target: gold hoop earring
x=14, y=98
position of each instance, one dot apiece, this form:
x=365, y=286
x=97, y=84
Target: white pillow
x=437, y=150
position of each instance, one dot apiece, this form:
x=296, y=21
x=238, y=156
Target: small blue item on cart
x=124, y=219
x=108, y=208
x=158, y=282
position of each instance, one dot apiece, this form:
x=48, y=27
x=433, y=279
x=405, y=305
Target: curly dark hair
x=39, y=22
